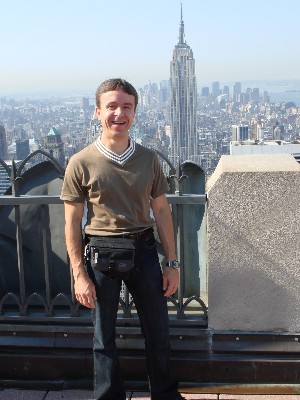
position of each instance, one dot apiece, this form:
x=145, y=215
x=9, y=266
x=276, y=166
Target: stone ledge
x=253, y=163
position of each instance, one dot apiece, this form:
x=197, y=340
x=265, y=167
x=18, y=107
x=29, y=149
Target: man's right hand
x=85, y=291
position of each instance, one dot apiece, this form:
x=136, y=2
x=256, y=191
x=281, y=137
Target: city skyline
x=73, y=46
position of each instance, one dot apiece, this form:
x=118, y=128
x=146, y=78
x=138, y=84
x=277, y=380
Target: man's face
x=116, y=112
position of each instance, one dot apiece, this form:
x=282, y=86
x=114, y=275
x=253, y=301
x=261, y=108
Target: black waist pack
x=111, y=254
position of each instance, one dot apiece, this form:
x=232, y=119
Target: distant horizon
x=277, y=87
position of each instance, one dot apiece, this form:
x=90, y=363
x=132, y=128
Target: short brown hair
x=116, y=84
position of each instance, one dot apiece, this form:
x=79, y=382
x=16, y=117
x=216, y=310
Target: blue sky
x=73, y=45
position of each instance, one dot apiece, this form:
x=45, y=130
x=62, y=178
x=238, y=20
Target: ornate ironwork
x=42, y=304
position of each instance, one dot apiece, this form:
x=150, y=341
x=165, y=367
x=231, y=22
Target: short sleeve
x=73, y=189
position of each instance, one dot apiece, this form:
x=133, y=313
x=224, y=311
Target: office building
x=3, y=143
x=205, y=91
x=85, y=103
x=54, y=145
x=226, y=90
x=256, y=131
x=163, y=94
x=183, y=103
x=240, y=132
x=22, y=149
x=255, y=95
x=278, y=132
x=266, y=147
x=215, y=89
x=237, y=90
x=4, y=180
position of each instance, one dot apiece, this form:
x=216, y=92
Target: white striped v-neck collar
x=120, y=159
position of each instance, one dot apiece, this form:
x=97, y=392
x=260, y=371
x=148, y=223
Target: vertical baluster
x=16, y=193
x=20, y=260
x=46, y=258
x=180, y=256
x=180, y=241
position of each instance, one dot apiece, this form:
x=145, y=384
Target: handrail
x=47, y=199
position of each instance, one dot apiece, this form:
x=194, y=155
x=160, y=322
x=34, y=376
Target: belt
x=134, y=236
x=137, y=235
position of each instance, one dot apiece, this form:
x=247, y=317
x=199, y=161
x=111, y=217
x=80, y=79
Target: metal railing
x=43, y=303
x=18, y=303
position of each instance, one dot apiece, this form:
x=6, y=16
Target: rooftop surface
x=13, y=394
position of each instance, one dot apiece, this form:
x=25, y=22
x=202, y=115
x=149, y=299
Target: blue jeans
x=145, y=285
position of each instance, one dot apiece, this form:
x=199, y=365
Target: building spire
x=181, y=29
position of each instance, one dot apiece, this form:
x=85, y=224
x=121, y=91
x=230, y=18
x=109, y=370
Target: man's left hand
x=170, y=280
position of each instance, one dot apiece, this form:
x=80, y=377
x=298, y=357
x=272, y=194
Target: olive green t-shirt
x=117, y=196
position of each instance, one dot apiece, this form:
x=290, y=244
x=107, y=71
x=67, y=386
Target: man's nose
x=118, y=111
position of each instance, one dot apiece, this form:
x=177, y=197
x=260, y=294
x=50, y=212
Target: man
x=120, y=180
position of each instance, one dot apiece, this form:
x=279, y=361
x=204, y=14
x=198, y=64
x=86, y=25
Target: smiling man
x=120, y=180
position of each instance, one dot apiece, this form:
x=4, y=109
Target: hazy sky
x=76, y=44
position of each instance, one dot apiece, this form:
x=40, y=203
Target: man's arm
x=84, y=288
x=163, y=219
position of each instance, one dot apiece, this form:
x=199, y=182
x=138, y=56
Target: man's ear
x=97, y=112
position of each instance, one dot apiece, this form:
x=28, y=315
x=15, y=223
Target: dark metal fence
x=45, y=304
x=18, y=303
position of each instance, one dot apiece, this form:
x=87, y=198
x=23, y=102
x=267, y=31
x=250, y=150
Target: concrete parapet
x=253, y=244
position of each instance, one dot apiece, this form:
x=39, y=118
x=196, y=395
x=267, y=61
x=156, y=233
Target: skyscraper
x=183, y=103
x=240, y=132
x=237, y=89
x=215, y=88
x=3, y=143
x=22, y=149
x=55, y=146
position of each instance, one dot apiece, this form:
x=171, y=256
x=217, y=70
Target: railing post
x=15, y=192
x=46, y=259
x=179, y=241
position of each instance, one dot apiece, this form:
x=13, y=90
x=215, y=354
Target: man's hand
x=170, y=280
x=85, y=291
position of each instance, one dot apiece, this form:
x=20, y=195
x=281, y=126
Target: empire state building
x=183, y=103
